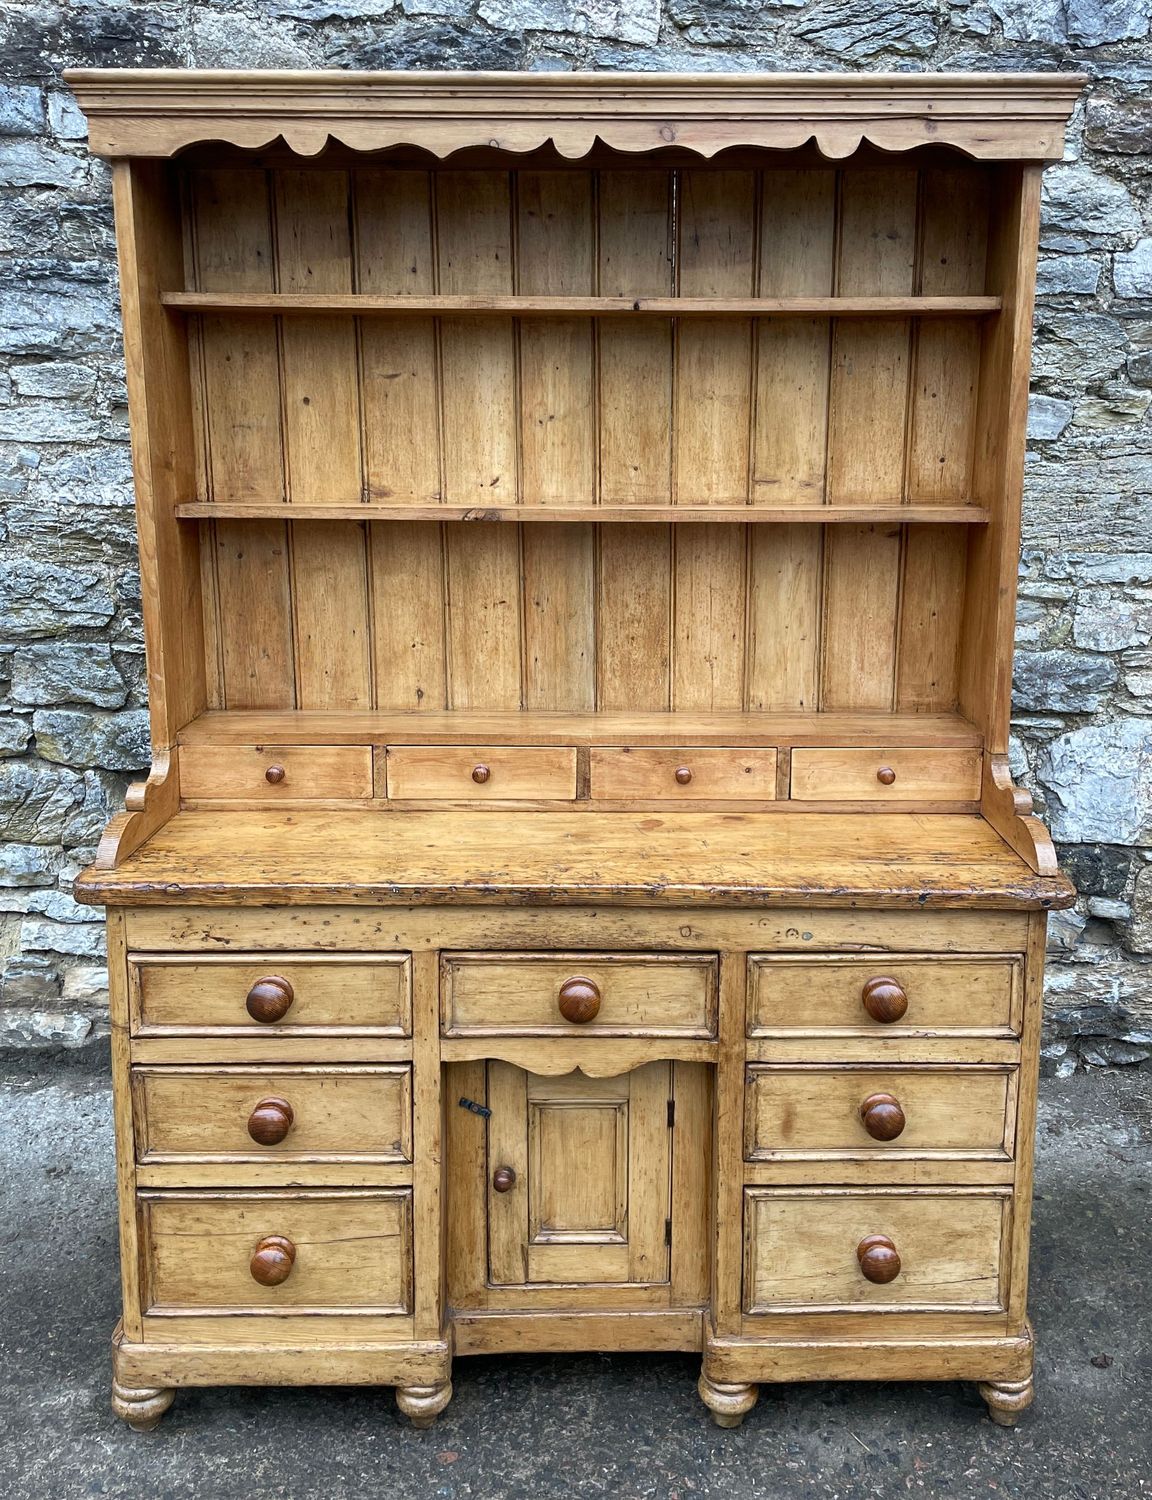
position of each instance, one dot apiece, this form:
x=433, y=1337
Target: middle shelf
x=373, y=510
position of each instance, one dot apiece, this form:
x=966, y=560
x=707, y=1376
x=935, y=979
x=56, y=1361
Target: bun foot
x=1007, y=1399
x=422, y=1404
x=141, y=1408
x=729, y=1404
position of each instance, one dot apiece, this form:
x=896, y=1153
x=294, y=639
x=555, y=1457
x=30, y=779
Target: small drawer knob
x=683, y=775
x=882, y=1116
x=274, y=775
x=270, y=999
x=270, y=1121
x=579, y=1000
x=885, y=775
x=884, y=999
x=504, y=1179
x=879, y=1260
x=272, y=1260
x=480, y=774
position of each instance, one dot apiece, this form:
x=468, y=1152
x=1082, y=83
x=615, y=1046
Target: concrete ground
x=588, y=1425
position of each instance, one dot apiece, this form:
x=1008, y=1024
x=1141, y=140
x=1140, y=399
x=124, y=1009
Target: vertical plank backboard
x=484, y=650
x=709, y=595
x=869, y=400
x=933, y=603
x=861, y=578
x=330, y=590
x=559, y=617
x=321, y=381
x=255, y=600
x=954, y=248
x=407, y=581
x=635, y=355
x=785, y=581
x=633, y=603
x=797, y=250
x=713, y=383
x=400, y=391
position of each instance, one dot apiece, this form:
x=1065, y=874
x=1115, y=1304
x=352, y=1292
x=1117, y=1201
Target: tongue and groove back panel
x=314, y=410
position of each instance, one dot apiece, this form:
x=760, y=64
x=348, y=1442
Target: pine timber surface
x=679, y=858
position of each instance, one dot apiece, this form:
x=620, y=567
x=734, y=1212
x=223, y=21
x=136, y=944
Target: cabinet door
x=579, y=1177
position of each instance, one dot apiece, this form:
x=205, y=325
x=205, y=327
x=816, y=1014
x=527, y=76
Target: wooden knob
x=480, y=774
x=683, y=775
x=885, y=775
x=503, y=1179
x=579, y=1000
x=274, y=775
x=269, y=999
x=272, y=1260
x=883, y=1118
x=884, y=999
x=270, y=1121
x=878, y=1259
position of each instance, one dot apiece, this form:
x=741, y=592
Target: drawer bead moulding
x=579, y=901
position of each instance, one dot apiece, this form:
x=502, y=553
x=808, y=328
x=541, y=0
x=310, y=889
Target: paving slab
x=542, y=1428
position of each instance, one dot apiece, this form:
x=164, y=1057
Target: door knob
x=503, y=1179
x=579, y=1000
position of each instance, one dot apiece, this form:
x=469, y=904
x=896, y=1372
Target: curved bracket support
x=148, y=805
x=1008, y=808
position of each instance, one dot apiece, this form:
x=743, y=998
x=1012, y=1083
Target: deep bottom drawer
x=277, y=1251
x=831, y=1249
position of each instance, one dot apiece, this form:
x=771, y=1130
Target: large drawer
x=241, y=1114
x=335, y=1251
x=814, y=1249
x=195, y=994
x=481, y=773
x=280, y=773
x=952, y=994
x=656, y=773
x=890, y=775
x=812, y=1111
x=632, y=994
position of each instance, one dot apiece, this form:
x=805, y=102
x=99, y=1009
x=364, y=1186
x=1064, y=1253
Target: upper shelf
x=990, y=116
x=595, y=307
x=371, y=510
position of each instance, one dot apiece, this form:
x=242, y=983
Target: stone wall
x=72, y=719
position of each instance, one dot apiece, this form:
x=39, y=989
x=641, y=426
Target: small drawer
x=836, y=1250
x=910, y=775
x=806, y=1112
x=884, y=994
x=271, y=993
x=281, y=773
x=651, y=773
x=473, y=773
x=272, y=1114
x=277, y=1252
x=591, y=993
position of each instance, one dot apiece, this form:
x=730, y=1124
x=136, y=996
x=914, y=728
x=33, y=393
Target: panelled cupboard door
x=579, y=1177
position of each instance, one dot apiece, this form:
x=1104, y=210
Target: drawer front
x=809, y=1249
x=633, y=994
x=262, y=1114
x=279, y=773
x=623, y=772
x=195, y=994
x=962, y=994
x=340, y=1251
x=812, y=1111
x=481, y=773
x=892, y=775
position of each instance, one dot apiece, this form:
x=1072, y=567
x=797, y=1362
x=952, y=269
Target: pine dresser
x=579, y=901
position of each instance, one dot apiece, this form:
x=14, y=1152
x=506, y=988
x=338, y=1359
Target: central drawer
x=469, y=773
x=622, y=772
x=277, y=1252
x=261, y=1114
x=633, y=994
x=807, y=1111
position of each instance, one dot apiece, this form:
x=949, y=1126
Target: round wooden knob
x=503, y=1179
x=683, y=775
x=274, y=775
x=883, y=1118
x=885, y=775
x=270, y=1121
x=272, y=1260
x=878, y=1259
x=480, y=774
x=579, y=1000
x=884, y=999
x=269, y=999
